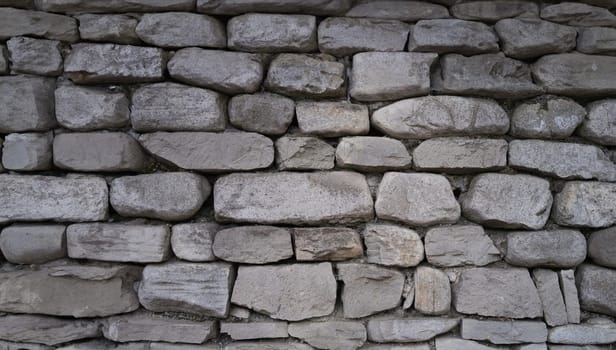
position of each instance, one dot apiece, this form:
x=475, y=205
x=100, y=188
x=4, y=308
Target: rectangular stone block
x=27, y=103
x=46, y=330
x=312, y=7
x=504, y=332
x=17, y=22
x=255, y=330
x=98, y=6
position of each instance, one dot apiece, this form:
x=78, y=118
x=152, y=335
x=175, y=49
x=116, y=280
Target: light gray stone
x=409, y=330
x=119, y=29
x=118, y=242
x=202, y=289
x=210, y=152
x=27, y=152
x=293, y=198
x=33, y=244
x=253, y=244
x=43, y=198
x=504, y=332
x=566, y=279
x=459, y=245
x=552, y=118
x=599, y=123
x=224, y=71
x=579, y=347
x=193, y=242
x=91, y=108
x=35, y=56
x=452, y=35
x=597, y=40
x=452, y=343
x=416, y=199
x=291, y=292
x=177, y=107
x=525, y=38
x=432, y=291
x=392, y=245
x=408, y=11
x=181, y=29
x=96, y=6
x=260, y=32
x=432, y=116
x=555, y=248
x=264, y=112
x=593, y=331
x=165, y=196
x=267, y=345
x=326, y=243
x=381, y=76
x=409, y=346
x=28, y=103
x=112, y=63
x=313, y=7
x=585, y=204
x=460, y=155
x=369, y=289
x=508, y=201
x=17, y=22
x=98, y=151
x=332, y=335
x=255, y=330
x=577, y=14
x=535, y=346
x=554, y=309
x=370, y=153
x=46, y=330
x=602, y=247
x=492, y=11
x=497, y=292
x=332, y=119
x=304, y=153
x=306, y=76
x=596, y=289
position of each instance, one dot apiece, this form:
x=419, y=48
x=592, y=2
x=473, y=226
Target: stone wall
x=307, y=174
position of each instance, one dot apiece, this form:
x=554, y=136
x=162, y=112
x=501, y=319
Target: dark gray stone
x=525, y=38
x=181, y=29
x=260, y=32
x=577, y=14
x=35, y=56
x=599, y=125
x=119, y=29
x=596, y=289
x=16, y=22
x=602, y=247
x=95, y=6
x=555, y=248
x=46, y=330
x=452, y=35
x=597, y=40
x=28, y=103
x=407, y=11
x=313, y=7
x=33, y=244
x=504, y=332
x=492, y=11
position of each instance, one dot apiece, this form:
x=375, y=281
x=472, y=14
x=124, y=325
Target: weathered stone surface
x=508, y=201
x=69, y=289
x=293, y=198
x=423, y=346
x=556, y=248
x=181, y=29
x=91, y=108
x=597, y=40
x=504, y=332
x=452, y=35
x=140, y=326
x=332, y=119
x=313, y=7
x=535, y=346
x=112, y=63
x=4, y=60
x=288, y=292
x=35, y=56
x=369, y=289
x=27, y=103
x=577, y=14
x=165, y=196
x=593, y=331
x=554, y=118
x=599, y=125
x=105, y=345
x=525, y=38
x=326, y=243
x=255, y=330
x=193, y=242
x=487, y=75
x=187, y=287
x=17, y=22
x=416, y=199
x=585, y=204
x=567, y=74
x=42, y=198
x=492, y=11
x=253, y=244
x=177, y=107
x=459, y=245
x=409, y=330
x=452, y=343
x=306, y=76
x=330, y=334
x=95, y=6
x=343, y=36
x=369, y=153
x=381, y=76
x=497, y=292
x=579, y=347
x=602, y=247
x=432, y=116
x=459, y=155
x=408, y=11
x=46, y=330
x=118, y=242
x=304, y=153
x=264, y=112
x=224, y=71
x=432, y=291
x=596, y=289
x=569, y=291
x=260, y=32
x=554, y=309
x=267, y=345
x=33, y=244
x=119, y=29
x=210, y=152
x=27, y=152
x=392, y=245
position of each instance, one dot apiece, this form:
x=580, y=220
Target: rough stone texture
x=42, y=198
x=554, y=309
x=593, y=331
x=255, y=330
x=392, y=245
x=27, y=152
x=326, y=243
x=342, y=36
x=330, y=334
x=409, y=346
x=452, y=35
x=256, y=32
x=407, y=11
x=504, y=332
x=4, y=60
x=165, y=196
x=497, y=292
x=234, y=7
x=253, y=244
x=381, y=76
x=267, y=345
x=602, y=247
x=452, y=343
x=193, y=242
x=265, y=113
x=180, y=29
x=202, y=289
x=492, y=11
x=599, y=124
x=100, y=151
x=94, y=6
x=369, y=153
x=210, y=152
x=33, y=244
x=118, y=242
x=555, y=118
x=369, y=289
x=224, y=71
x=416, y=199
x=103, y=345
x=304, y=153
x=432, y=291
x=566, y=279
x=303, y=75
x=119, y=29
x=597, y=40
x=508, y=201
x=525, y=38
x=46, y=330
x=293, y=198
x=459, y=245
x=35, y=56
x=331, y=119
x=459, y=155
x=577, y=14
x=408, y=330
x=596, y=289
x=556, y=248
x=432, y=116
x=289, y=292
x=585, y=204
x=112, y=63
x=16, y=22
x=27, y=103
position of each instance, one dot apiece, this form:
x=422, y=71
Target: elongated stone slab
x=409, y=330
x=554, y=309
x=46, y=330
x=566, y=279
x=332, y=119
x=313, y=7
x=452, y=35
x=504, y=332
x=253, y=244
x=594, y=331
x=494, y=10
x=119, y=29
x=17, y=22
x=460, y=155
x=370, y=153
x=407, y=11
x=330, y=334
x=255, y=330
x=326, y=243
x=180, y=29
x=554, y=248
x=96, y=6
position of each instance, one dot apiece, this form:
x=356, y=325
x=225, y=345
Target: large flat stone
x=577, y=14
x=95, y=6
x=452, y=35
x=28, y=104
x=602, y=247
x=407, y=11
x=552, y=118
x=293, y=198
x=119, y=29
x=504, y=332
x=459, y=245
x=16, y=22
x=304, y=153
x=370, y=153
x=332, y=119
x=599, y=124
x=596, y=289
x=181, y=29
x=267, y=345
x=593, y=331
x=306, y=76
x=432, y=291
x=330, y=334
x=459, y=155
x=554, y=308
x=27, y=152
x=264, y=112
x=408, y=330
x=392, y=245
x=99, y=344
x=494, y=10
x=260, y=32
x=46, y=330
x=313, y=7
x=555, y=248
x=253, y=244
x=597, y=40
x=35, y=56
x=525, y=38
x=33, y=244
x=326, y=243
x=585, y=204
x=193, y=241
